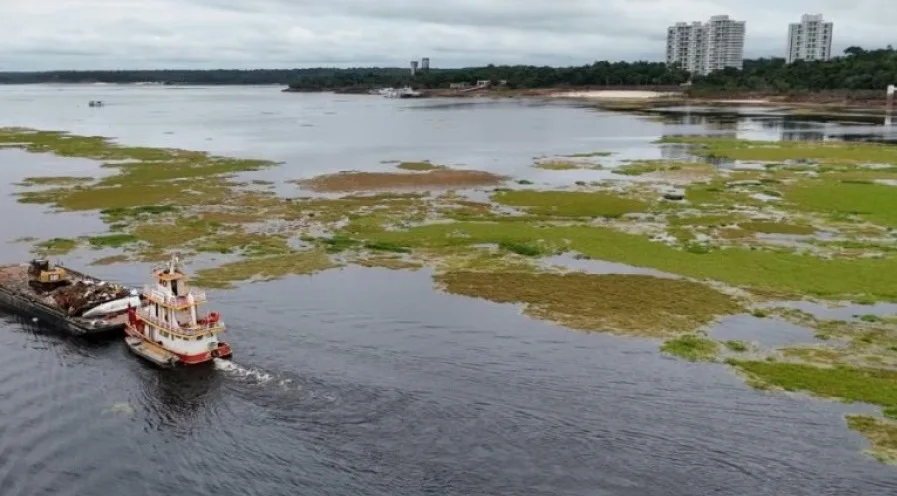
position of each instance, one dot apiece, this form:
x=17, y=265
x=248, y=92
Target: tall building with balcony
x=810, y=39
x=686, y=46
x=702, y=48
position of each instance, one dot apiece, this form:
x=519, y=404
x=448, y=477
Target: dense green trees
x=856, y=69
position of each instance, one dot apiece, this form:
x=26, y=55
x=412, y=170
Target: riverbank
x=653, y=98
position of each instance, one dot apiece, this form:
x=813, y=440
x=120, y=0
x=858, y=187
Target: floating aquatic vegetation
x=590, y=154
x=264, y=268
x=420, y=166
x=56, y=246
x=55, y=181
x=633, y=304
x=671, y=169
x=832, y=152
x=778, y=272
x=736, y=346
x=373, y=181
x=571, y=203
x=776, y=228
x=557, y=165
x=111, y=240
x=691, y=347
x=110, y=260
x=874, y=202
x=881, y=433
x=848, y=383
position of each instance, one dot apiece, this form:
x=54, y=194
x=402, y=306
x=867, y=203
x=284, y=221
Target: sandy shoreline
x=616, y=94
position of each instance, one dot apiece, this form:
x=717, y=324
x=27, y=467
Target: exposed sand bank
x=615, y=94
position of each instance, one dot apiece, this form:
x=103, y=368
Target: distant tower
x=425, y=64
x=413, y=68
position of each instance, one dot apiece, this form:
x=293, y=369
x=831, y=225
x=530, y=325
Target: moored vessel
x=168, y=329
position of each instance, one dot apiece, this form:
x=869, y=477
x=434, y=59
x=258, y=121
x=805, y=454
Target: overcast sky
x=134, y=34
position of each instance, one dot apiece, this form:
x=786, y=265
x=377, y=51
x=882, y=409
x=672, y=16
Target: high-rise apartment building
x=686, y=45
x=725, y=44
x=809, y=39
x=704, y=48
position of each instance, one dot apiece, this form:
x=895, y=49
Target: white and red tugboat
x=167, y=329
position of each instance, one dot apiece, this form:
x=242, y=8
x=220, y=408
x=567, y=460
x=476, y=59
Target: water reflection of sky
x=768, y=124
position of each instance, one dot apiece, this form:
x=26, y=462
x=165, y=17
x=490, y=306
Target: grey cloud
x=127, y=34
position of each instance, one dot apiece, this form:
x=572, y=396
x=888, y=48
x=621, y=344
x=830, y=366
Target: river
x=368, y=381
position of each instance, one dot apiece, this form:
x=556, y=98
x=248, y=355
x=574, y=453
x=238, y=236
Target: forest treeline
x=855, y=69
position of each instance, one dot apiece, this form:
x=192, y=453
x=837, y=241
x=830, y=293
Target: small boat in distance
x=168, y=330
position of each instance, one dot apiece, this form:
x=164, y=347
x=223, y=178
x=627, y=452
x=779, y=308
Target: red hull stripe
x=224, y=350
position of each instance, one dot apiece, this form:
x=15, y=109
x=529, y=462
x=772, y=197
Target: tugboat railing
x=171, y=300
x=183, y=331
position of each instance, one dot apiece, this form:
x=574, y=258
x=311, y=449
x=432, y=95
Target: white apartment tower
x=809, y=39
x=686, y=45
x=704, y=48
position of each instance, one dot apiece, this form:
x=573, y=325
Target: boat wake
x=256, y=375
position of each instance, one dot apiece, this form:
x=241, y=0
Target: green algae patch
x=378, y=181
x=777, y=228
x=631, y=304
x=525, y=249
x=780, y=151
x=175, y=234
x=477, y=260
x=387, y=247
x=590, y=154
x=716, y=220
x=145, y=175
x=110, y=260
x=113, y=215
x=882, y=434
x=815, y=355
x=382, y=261
x=55, y=181
x=264, y=269
x=111, y=240
x=851, y=384
x=766, y=271
x=56, y=246
x=736, y=346
x=248, y=244
x=420, y=166
x=716, y=193
x=129, y=195
x=661, y=166
x=570, y=203
x=556, y=165
x=691, y=347
x=874, y=202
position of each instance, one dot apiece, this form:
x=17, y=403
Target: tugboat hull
x=153, y=354
x=138, y=343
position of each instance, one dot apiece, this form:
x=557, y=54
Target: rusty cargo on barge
x=64, y=298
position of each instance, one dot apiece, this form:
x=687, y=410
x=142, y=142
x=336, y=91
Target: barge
x=65, y=299
x=169, y=330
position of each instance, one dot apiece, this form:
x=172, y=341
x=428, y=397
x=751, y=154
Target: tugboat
x=167, y=329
